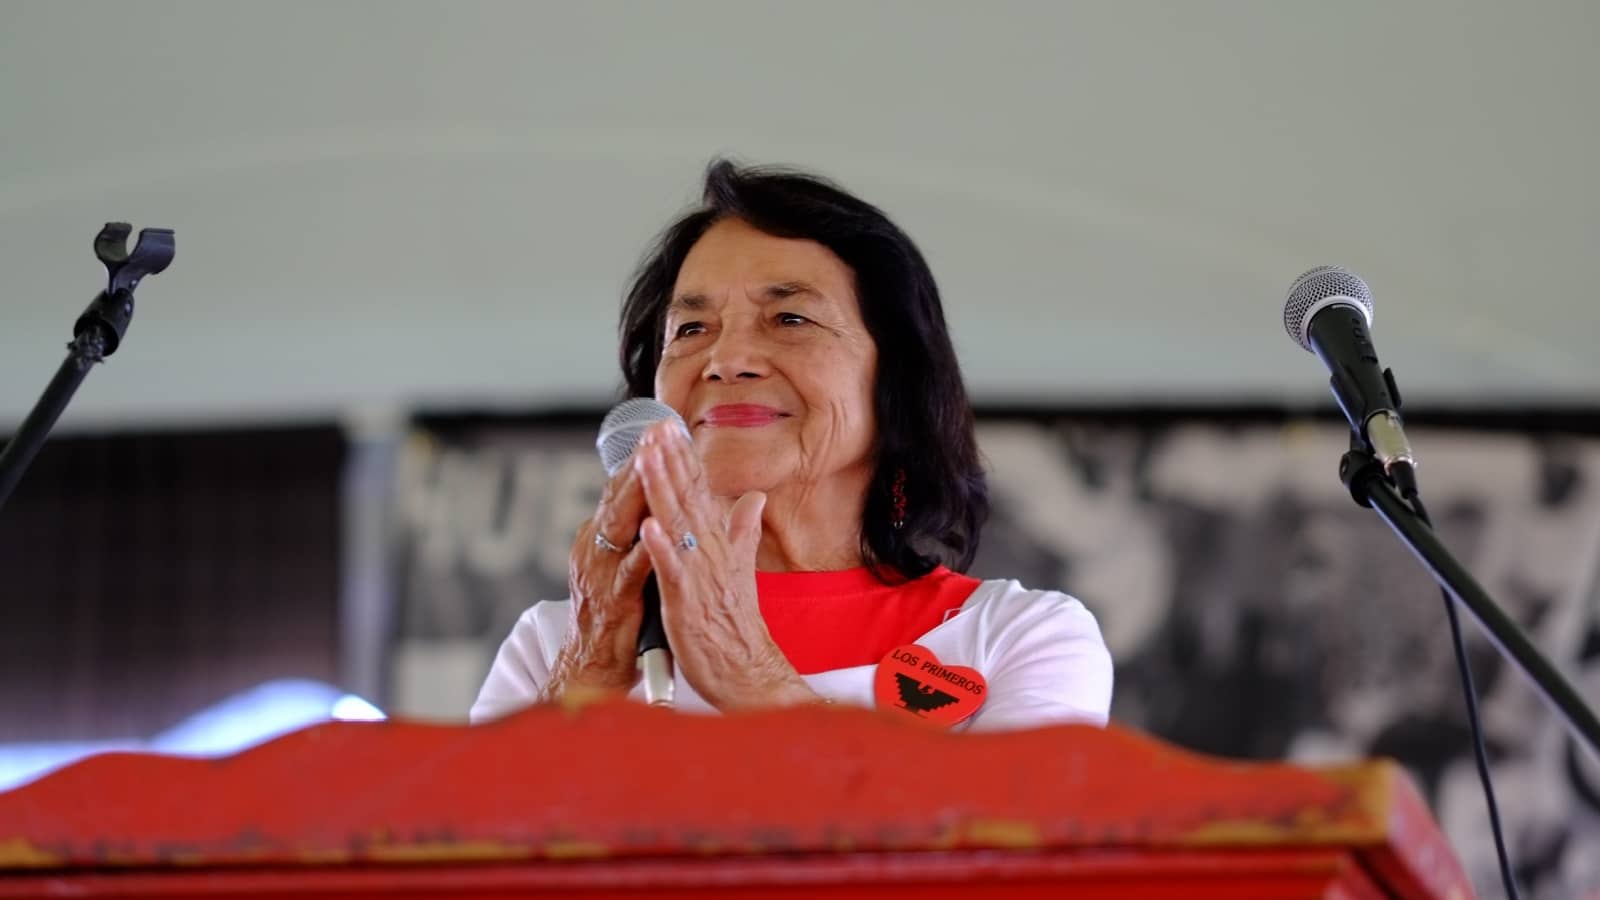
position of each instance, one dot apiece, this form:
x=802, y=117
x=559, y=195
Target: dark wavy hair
x=925, y=423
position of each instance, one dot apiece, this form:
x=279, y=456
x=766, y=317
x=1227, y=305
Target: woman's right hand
x=607, y=588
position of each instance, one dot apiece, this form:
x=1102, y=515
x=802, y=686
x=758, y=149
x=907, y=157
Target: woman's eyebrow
x=689, y=302
x=694, y=301
x=786, y=289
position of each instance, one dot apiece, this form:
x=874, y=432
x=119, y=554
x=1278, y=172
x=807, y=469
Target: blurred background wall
x=350, y=432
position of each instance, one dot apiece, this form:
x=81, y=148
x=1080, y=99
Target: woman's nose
x=736, y=355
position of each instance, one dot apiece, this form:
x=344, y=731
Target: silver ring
x=687, y=542
x=601, y=542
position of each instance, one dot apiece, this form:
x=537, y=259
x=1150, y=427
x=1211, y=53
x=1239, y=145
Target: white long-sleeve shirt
x=1041, y=653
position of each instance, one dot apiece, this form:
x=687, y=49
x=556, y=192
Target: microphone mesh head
x=625, y=424
x=1322, y=287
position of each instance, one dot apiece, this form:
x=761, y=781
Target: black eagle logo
x=919, y=698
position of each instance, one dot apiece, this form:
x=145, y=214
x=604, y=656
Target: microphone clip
x=1378, y=446
x=98, y=332
x=95, y=335
x=1357, y=468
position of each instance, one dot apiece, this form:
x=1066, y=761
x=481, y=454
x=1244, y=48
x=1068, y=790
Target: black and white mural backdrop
x=1253, y=610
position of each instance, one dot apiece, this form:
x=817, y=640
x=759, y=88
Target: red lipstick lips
x=742, y=415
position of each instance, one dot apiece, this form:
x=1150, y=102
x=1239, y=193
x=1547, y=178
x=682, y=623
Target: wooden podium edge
x=617, y=780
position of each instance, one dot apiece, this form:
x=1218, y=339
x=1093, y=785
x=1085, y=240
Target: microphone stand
x=96, y=335
x=1370, y=486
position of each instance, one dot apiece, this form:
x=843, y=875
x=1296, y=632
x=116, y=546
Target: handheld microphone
x=1329, y=313
x=619, y=437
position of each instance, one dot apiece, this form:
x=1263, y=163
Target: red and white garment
x=1040, y=651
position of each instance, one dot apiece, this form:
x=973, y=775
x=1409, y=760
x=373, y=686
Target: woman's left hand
x=708, y=592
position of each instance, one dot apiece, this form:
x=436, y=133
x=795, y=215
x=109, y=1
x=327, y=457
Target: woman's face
x=766, y=357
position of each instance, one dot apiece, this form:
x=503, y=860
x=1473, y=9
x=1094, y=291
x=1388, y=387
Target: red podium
x=622, y=800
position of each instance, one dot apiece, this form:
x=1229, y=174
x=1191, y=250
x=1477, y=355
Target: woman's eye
x=687, y=329
x=791, y=319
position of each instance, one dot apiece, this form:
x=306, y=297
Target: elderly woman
x=814, y=525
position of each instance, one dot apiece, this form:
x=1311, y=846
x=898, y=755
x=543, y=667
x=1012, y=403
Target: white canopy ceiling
x=389, y=204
